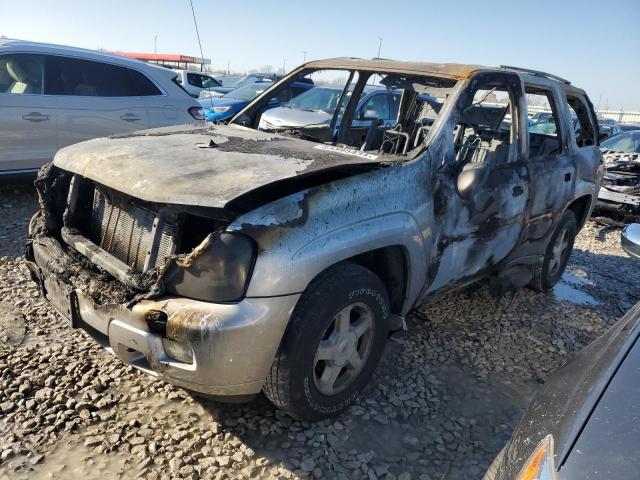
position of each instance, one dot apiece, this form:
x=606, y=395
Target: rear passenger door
x=96, y=99
x=550, y=159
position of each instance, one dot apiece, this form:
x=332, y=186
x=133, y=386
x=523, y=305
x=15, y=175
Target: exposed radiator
x=127, y=232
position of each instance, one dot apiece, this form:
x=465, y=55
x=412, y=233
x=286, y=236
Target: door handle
x=35, y=117
x=517, y=190
x=129, y=117
x=567, y=177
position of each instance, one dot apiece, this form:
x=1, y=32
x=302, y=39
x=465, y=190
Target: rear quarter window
x=582, y=121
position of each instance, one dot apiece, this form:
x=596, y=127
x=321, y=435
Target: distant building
x=168, y=60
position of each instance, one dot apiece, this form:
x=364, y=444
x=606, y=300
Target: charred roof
x=453, y=71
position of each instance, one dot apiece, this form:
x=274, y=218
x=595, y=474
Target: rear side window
x=376, y=107
x=194, y=79
x=209, y=82
x=582, y=122
x=202, y=81
x=72, y=76
x=21, y=74
x=544, y=128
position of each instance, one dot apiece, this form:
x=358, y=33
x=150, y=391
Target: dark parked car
x=626, y=127
x=619, y=196
x=584, y=424
x=218, y=109
x=608, y=131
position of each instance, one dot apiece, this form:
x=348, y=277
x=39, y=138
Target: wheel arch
x=581, y=207
x=380, y=244
x=390, y=264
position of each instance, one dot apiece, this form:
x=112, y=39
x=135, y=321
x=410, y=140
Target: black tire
x=292, y=384
x=546, y=273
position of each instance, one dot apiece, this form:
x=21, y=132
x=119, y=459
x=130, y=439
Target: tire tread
x=277, y=386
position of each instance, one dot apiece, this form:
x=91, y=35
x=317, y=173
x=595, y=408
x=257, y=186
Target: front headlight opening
x=540, y=465
x=220, y=273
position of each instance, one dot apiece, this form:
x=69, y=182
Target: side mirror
x=630, y=240
x=471, y=177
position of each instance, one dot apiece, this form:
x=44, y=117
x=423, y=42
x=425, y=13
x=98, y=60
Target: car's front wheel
x=332, y=345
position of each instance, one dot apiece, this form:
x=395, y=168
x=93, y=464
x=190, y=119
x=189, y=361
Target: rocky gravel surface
x=444, y=400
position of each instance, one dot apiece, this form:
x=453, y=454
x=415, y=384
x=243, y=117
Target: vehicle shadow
x=437, y=420
x=449, y=392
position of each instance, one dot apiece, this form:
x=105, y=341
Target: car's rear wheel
x=334, y=341
x=549, y=270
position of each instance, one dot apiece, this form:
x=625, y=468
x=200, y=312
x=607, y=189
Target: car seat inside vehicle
x=20, y=78
x=481, y=135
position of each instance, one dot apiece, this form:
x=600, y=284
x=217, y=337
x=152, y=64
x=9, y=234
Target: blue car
x=219, y=109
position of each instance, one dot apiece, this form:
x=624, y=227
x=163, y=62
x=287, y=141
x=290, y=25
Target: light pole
x=284, y=66
x=379, y=45
x=304, y=56
x=155, y=44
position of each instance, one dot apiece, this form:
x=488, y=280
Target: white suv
x=196, y=82
x=52, y=96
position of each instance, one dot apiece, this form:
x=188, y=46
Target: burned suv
x=229, y=260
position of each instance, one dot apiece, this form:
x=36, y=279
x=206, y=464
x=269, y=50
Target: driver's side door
x=481, y=188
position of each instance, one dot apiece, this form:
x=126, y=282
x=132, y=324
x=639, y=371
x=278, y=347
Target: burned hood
x=201, y=165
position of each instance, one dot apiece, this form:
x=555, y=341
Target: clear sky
x=595, y=44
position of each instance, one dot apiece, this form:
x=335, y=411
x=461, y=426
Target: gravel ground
x=445, y=398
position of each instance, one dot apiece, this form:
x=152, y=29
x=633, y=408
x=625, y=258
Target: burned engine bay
x=619, y=196
x=68, y=208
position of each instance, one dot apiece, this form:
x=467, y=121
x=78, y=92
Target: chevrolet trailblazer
x=227, y=259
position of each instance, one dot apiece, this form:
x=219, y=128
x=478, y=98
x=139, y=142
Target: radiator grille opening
x=127, y=232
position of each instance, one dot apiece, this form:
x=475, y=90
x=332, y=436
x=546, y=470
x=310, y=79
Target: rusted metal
x=453, y=71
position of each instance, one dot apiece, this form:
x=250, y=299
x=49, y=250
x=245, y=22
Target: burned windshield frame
x=338, y=131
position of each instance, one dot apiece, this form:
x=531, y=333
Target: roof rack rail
x=536, y=72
